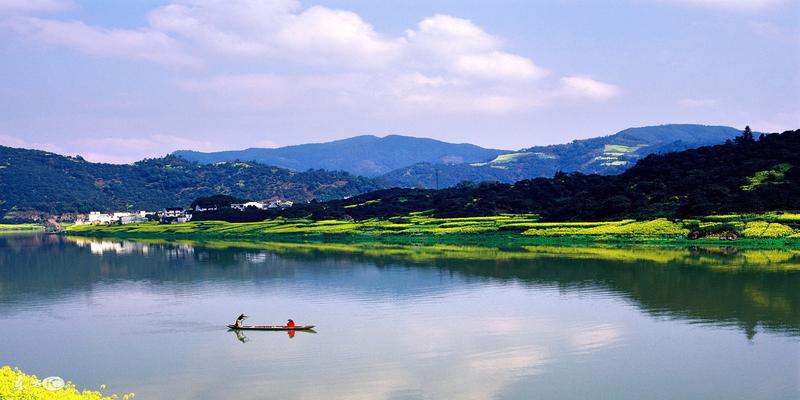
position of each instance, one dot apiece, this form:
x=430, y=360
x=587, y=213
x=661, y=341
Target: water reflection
x=722, y=286
x=242, y=337
x=239, y=335
x=402, y=322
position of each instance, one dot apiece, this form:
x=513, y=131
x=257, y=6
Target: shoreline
x=21, y=228
x=321, y=232
x=720, y=258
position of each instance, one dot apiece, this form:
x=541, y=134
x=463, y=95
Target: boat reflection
x=244, y=339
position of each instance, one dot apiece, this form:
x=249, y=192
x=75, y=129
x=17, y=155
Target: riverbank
x=4, y=228
x=774, y=230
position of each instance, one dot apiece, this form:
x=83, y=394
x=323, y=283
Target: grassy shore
x=761, y=230
x=20, y=228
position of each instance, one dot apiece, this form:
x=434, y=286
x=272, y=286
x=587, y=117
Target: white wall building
x=96, y=217
x=242, y=207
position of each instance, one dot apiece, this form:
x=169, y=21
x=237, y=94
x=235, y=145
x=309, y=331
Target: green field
x=771, y=230
x=512, y=157
x=20, y=227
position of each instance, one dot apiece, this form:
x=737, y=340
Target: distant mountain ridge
x=365, y=155
x=52, y=183
x=47, y=182
x=746, y=175
x=605, y=155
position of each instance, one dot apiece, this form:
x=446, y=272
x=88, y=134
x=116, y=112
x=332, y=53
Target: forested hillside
x=365, y=155
x=745, y=175
x=47, y=182
x=605, y=155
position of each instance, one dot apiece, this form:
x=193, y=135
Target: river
x=402, y=323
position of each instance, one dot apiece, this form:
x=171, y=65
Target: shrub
x=763, y=229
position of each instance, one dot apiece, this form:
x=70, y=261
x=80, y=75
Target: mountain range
x=747, y=174
x=52, y=183
x=33, y=180
x=403, y=161
x=365, y=155
x=605, y=155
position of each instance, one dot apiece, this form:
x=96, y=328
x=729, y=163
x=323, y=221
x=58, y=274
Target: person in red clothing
x=290, y=324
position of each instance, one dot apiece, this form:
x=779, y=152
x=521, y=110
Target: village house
x=174, y=215
x=243, y=206
x=200, y=208
x=122, y=218
x=263, y=205
x=130, y=218
x=98, y=218
x=281, y=204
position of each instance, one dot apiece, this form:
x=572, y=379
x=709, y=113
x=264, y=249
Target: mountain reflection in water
x=726, y=286
x=407, y=322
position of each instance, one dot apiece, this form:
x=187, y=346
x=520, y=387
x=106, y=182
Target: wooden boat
x=271, y=328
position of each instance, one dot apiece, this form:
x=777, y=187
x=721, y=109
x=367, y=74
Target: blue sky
x=116, y=81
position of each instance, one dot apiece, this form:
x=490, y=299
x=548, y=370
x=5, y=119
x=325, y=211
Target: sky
x=117, y=81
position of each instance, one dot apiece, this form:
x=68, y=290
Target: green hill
x=47, y=182
x=361, y=155
x=605, y=155
x=744, y=175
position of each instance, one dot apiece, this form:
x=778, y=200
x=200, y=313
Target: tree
x=747, y=136
x=218, y=201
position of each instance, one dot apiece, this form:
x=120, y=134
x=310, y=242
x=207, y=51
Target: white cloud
x=445, y=36
x=419, y=93
x=272, y=92
x=144, y=44
x=320, y=35
x=498, y=65
x=339, y=60
x=402, y=94
x=16, y=141
x=121, y=150
x=11, y=141
x=244, y=27
x=316, y=36
x=583, y=87
x=781, y=121
x=737, y=5
x=28, y=6
x=118, y=150
x=444, y=64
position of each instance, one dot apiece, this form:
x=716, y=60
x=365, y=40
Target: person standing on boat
x=240, y=319
x=290, y=324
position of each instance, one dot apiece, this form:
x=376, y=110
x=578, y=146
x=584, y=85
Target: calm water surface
x=402, y=324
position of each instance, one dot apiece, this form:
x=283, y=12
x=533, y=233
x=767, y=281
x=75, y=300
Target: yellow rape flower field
x=17, y=385
x=767, y=228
